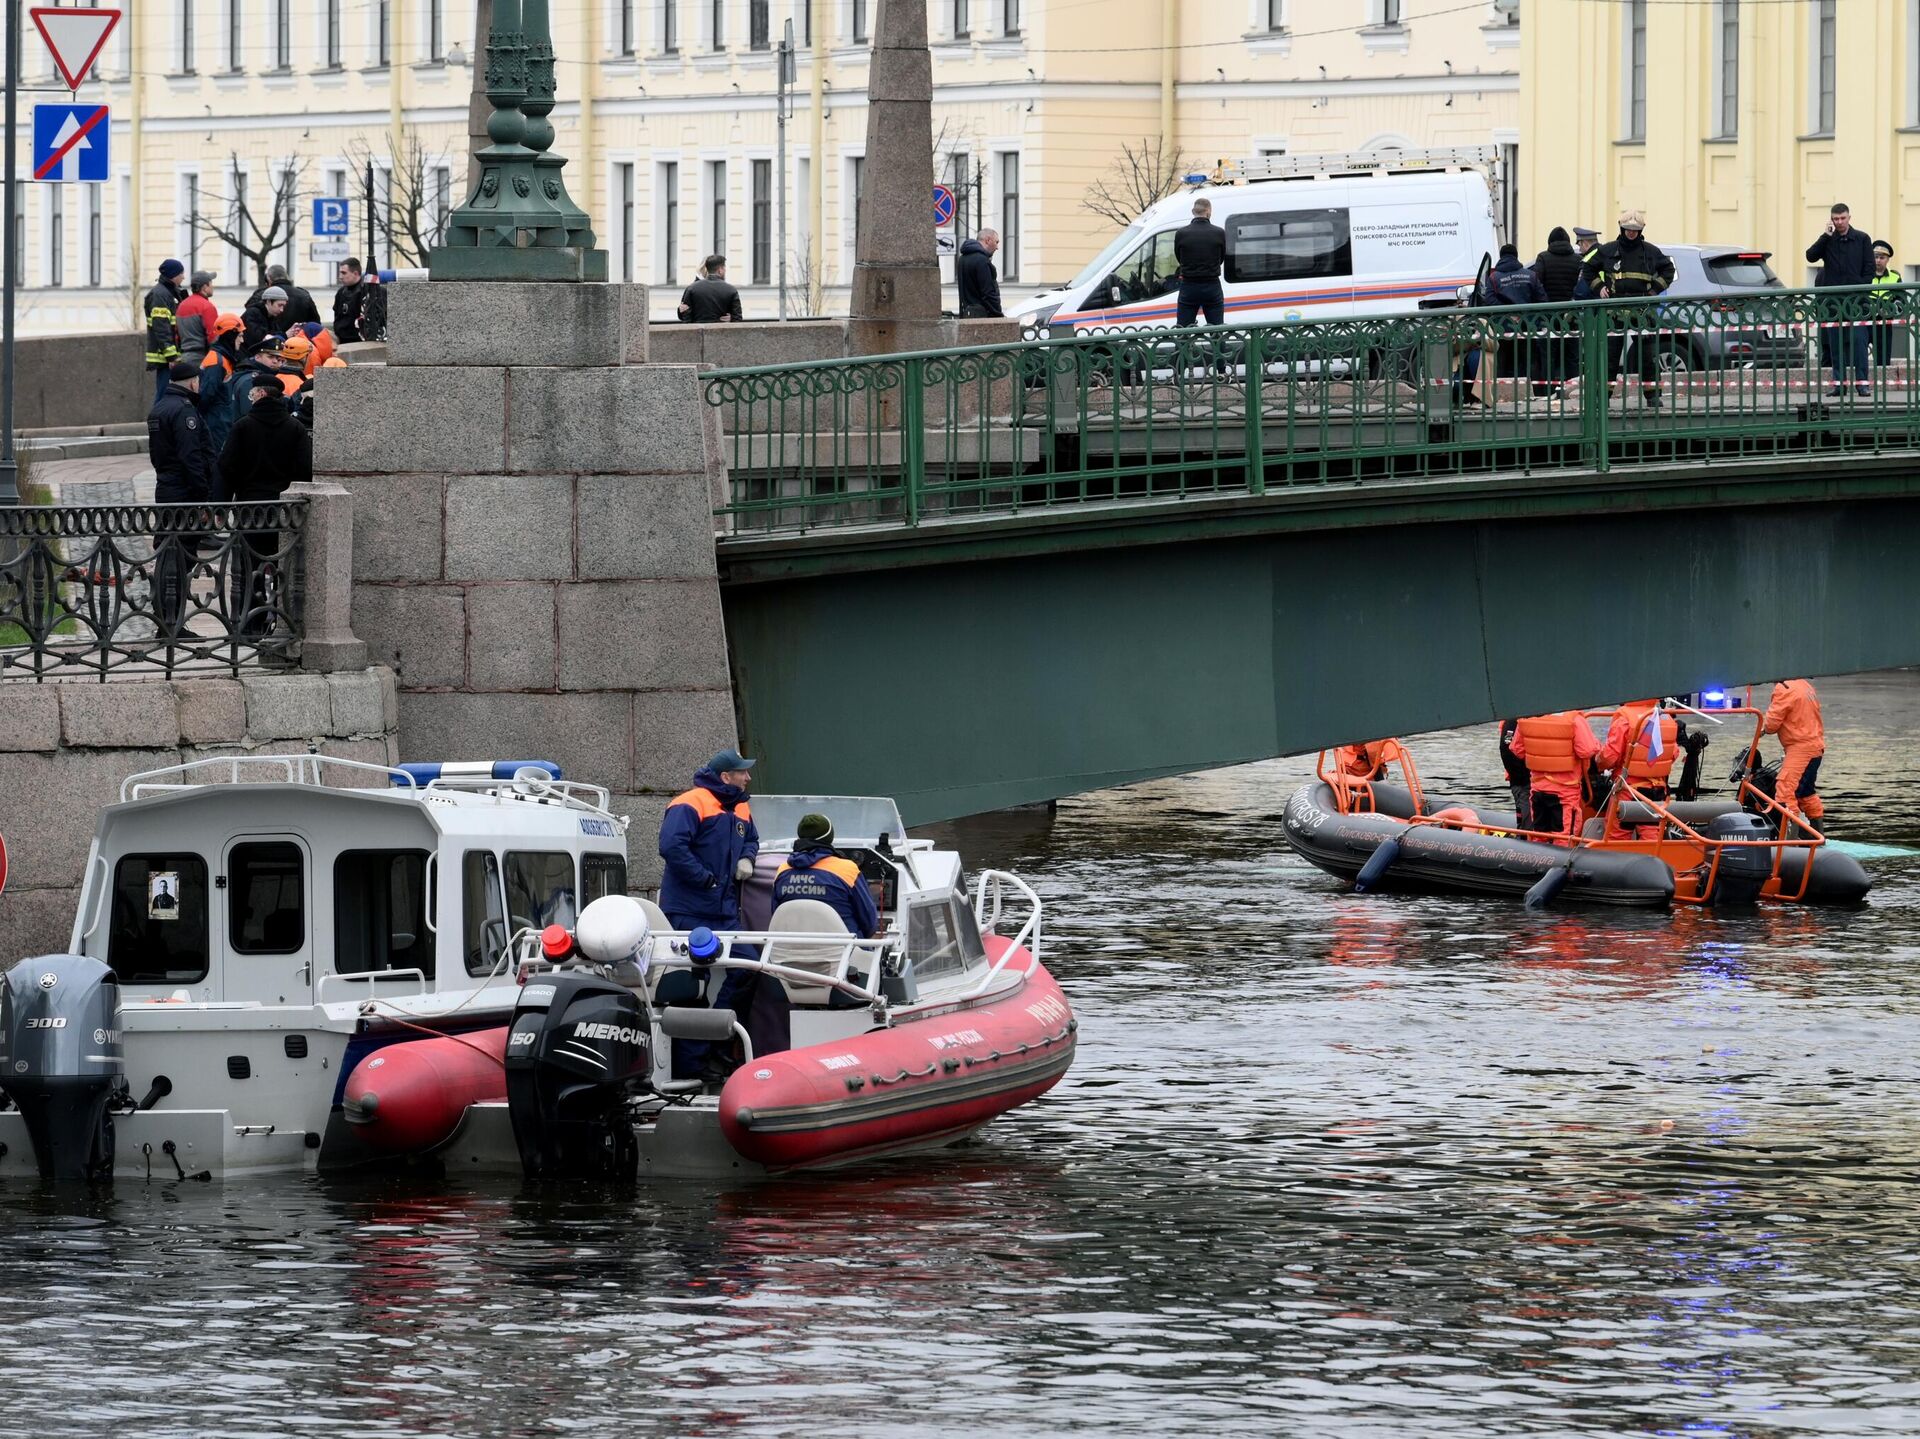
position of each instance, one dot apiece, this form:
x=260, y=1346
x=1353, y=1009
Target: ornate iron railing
x=1118, y=414
x=160, y=589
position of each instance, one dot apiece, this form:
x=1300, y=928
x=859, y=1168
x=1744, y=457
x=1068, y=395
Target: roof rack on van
x=1357, y=162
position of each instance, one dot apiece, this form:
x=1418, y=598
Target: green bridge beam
x=969, y=665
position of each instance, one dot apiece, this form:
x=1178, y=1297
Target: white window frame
x=331, y=48
x=667, y=258
x=1633, y=129
x=189, y=199
x=714, y=167
x=237, y=182
x=288, y=242
x=1720, y=130
x=94, y=244
x=623, y=14
x=714, y=41
x=623, y=217
x=283, y=28
x=186, y=39
x=1261, y=16
x=1013, y=239
x=433, y=51
x=53, y=207
x=1815, y=119
x=851, y=161
x=670, y=26
x=233, y=34
x=379, y=35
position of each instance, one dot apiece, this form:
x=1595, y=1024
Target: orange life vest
x=1548, y=740
x=843, y=869
x=705, y=806
x=1642, y=767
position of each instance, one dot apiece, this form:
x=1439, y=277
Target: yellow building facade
x=1727, y=122
x=668, y=116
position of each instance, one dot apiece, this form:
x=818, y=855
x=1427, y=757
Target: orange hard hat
x=333, y=362
x=225, y=324
x=297, y=347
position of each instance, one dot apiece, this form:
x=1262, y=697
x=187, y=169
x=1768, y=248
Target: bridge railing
x=1155, y=413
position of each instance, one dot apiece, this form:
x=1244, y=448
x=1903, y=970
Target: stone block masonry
x=534, y=539
x=65, y=748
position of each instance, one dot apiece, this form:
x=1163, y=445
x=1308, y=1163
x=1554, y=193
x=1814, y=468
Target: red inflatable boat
x=411, y=1097
x=902, y=1087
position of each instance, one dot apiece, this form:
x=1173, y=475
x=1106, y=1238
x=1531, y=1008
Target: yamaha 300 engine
x=60, y=1060
x=578, y=1050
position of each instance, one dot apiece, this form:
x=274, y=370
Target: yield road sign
x=76, y=38
x=942, y=206
x=70, y=142
x=331, y=217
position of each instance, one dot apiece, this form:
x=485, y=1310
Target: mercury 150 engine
x=579, y=1048
x=60, y=1060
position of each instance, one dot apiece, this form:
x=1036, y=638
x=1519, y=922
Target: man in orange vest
x=1642, y=742
x=1556, y=749
x=1794, y=714
x=813, y=871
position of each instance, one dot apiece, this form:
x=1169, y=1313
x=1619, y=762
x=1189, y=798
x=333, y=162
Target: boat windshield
x=1098, y=267
x=943, y=937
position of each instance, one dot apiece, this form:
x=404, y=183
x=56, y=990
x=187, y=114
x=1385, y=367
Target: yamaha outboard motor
x=578, y=1050
x=1744, y=868
x=60, y=1060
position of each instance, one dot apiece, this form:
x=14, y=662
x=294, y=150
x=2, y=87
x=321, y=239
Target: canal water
x=1327, y=1165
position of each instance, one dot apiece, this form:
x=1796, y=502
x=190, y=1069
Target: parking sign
x=331, y=216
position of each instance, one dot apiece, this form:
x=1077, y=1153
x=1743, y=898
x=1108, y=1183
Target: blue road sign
x=70, y=142
x=331, y=217
x=942, y=207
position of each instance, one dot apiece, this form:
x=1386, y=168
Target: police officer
x=183, y=473
x=813, y=871
x=161, y=312
x=1586, y=244
x=1629, y=268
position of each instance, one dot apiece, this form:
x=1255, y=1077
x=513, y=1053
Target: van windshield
x=1102, y=264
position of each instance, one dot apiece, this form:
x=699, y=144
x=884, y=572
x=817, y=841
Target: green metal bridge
x=1002, y=575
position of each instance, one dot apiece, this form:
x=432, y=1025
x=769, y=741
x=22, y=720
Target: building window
x=806, y=22
x=856, y=191
x=669, y=27
x=960, y=181
x=436, y=30
x=236, y=207
x=1275, y=14
x=669, y=222
x=185, y=33
x=762, y=218
x=288, y=197
x=717, y=23
x=1010, y=216
x=759, y=26
x=1388, y=12
x=625, y=28
x=1636, y=38
x=1727, y=36
x=333, y=34
x=859, y=22
x=283, y=34
x=96, y=247
x=717, y=207
x=236, y=52
x=382, y=33
x=56, y=234
x=623, y=190
x=960, y=19
x=1010, y=17
x=190, y=221
x=1824, y=49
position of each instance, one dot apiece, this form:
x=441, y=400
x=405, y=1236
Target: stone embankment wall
x=533, y=546
x=65, y=748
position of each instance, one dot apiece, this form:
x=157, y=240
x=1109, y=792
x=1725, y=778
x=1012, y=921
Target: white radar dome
x=612, y=928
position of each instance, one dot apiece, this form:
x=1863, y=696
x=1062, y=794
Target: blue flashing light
x=702, y=945
x=425, y=772
x=1716, y=699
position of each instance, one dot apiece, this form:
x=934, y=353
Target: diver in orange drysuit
x=1556, y=749
x=1794, y=714
x=1644, y=740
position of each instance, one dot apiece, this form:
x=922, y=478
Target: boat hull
x=410, y=1098
x=924, y=1082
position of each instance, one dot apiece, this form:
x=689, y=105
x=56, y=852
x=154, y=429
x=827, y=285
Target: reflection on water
x=1327, y=1165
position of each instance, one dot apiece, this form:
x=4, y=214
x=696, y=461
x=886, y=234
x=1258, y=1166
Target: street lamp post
x=9, y=465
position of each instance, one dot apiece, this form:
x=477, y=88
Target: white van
x=1311, y=237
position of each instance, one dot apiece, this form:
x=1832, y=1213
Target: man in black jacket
x=973, y=277
x=264, y=319
x=300, y=307
x=268, y=450
x=710, y=300
x=1200, y=249
x=349, y=302
x=1845, y=257
x=183, y=468
x=1558, y=270
x=1631, y=267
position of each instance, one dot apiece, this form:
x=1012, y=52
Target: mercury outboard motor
x=579, y=1048
x=60, y=1060
x=1744, y=868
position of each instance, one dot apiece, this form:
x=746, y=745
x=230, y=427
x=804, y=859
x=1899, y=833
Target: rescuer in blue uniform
x=814, y=871
x=708, y=841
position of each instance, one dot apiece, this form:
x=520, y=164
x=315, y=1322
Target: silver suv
x=1729, y=274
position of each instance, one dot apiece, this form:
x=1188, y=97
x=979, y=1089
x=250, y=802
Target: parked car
x=1726, y=275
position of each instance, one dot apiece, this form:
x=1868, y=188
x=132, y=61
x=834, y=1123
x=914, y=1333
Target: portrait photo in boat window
x=158, y=930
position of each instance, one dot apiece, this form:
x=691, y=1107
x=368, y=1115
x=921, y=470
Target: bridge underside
x=969, y=668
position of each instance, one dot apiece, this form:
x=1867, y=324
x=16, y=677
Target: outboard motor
x=1743, y=869
x=579, y=1047
x=60, y=1060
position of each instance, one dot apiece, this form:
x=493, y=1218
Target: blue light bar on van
x=427, y=772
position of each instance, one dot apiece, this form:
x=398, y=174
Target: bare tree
x=1143, y=175
x=412, y=218
x=257, y=232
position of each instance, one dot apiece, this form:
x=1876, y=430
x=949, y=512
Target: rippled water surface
x=1327, y=1165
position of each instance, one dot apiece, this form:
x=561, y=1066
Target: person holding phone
x=1844, y=254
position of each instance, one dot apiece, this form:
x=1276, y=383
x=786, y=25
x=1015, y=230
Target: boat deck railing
x=531, y=785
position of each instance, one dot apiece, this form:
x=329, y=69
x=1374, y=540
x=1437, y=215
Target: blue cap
x=171, y=269
x=730, y=759
x=702, y=945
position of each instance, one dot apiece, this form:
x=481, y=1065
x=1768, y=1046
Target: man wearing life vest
x=813, y=871
x=1642, y=743
x=1556, y=749
x=708, y=841
x=1363, y=761
x=1794, y=715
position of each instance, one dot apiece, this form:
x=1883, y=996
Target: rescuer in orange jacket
x=1556, y=749
x=1642, y=743
x=1794, y=714
x=813, y=871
